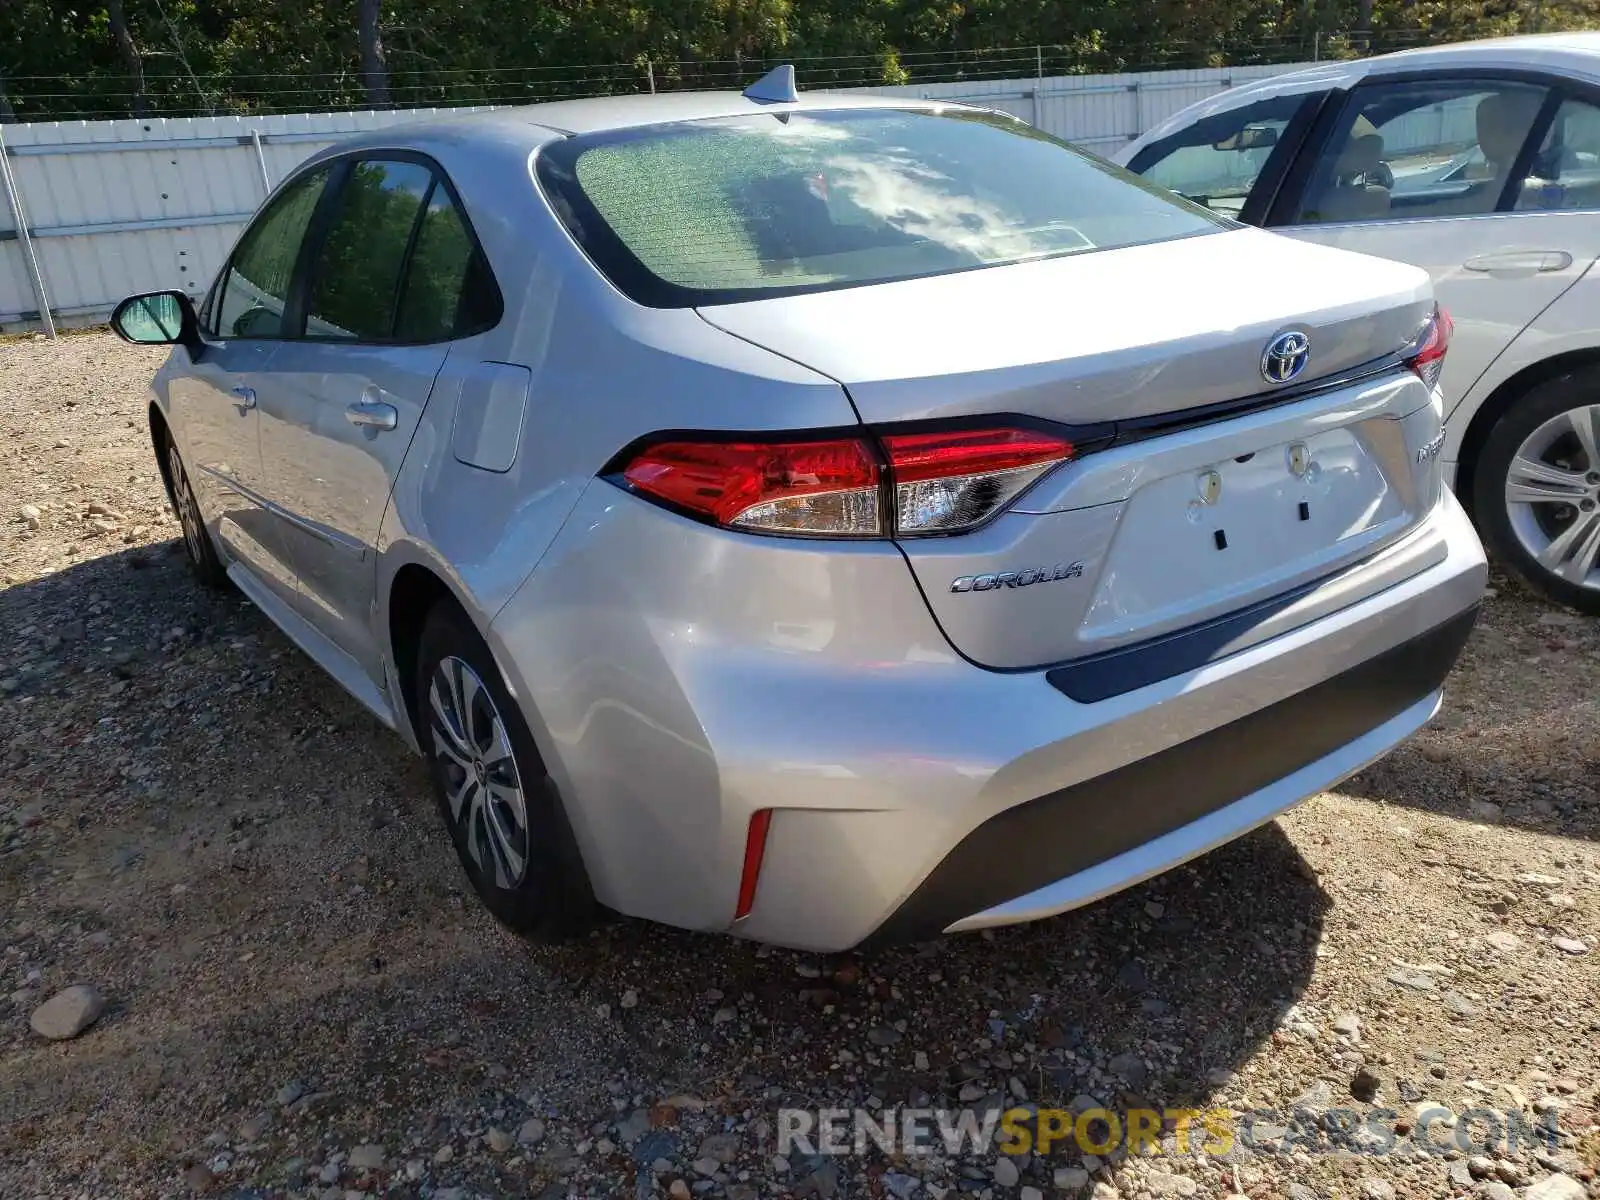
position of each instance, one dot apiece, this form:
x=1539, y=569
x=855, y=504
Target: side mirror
x=157, y=319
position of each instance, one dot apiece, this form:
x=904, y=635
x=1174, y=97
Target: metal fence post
x=650, y=74
x=261, y=161
x=1038, y=85
x=25, y=239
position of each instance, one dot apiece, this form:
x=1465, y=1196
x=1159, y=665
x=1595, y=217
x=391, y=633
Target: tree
x=129, y=53
x=374, y=67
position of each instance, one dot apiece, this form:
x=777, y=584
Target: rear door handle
x=1531, y=262
x=244, y=398
x=372, y=414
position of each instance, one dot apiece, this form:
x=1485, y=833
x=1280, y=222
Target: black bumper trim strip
x=1127, y=668
x=1057, y=835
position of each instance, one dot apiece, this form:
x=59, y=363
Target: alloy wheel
x=481, y=783
x=1553, y=495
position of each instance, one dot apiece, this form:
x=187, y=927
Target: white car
x=1480, y=163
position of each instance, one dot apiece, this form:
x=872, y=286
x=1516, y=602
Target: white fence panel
x=116, y=207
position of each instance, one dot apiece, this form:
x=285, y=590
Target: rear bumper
x=809, y=679
x=1075, y=845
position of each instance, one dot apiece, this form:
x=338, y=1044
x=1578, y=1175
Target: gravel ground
x=300, y=997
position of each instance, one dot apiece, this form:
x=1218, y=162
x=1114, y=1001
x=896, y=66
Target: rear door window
x=448, y=291
x=748, y=207
x=355, y=279
x=1565, y=172
x=1421, y=149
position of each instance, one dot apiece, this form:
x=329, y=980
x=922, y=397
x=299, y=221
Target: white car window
x=1217, y=161
x=1565, y=173
x=1421, y=150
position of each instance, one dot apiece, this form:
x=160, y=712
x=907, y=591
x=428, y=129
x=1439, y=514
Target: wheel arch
x=1506, y=393
x=412, y=594
x=160, y=435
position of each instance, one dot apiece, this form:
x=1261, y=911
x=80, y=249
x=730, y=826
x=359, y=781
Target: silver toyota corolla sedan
x=831, y=520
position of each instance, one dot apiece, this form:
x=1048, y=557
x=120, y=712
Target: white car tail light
x=1428, y=358
x=901, y=484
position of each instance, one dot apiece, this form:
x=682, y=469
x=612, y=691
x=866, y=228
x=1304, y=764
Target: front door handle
x=372, y=414
x=1527, y=262
x=244, y=398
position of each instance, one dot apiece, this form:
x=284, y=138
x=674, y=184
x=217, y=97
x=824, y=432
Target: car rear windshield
x=743, y=208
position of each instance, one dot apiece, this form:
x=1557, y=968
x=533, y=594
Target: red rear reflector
x=828, y=488
x=755, y=846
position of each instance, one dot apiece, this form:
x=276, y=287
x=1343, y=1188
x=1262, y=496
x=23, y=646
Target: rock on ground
x=68, y=1013
x=1556, y=1187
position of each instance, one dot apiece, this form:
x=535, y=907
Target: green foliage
x=439, y=266
x=58, y=58
x=358, y=273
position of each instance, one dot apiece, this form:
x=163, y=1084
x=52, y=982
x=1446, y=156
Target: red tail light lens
x=822, y=488
x=944, y=482
x=931, y=482
x=1428, y=361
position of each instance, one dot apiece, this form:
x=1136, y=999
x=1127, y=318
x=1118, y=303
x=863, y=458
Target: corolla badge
x=1016, y=579
x=1285, y=356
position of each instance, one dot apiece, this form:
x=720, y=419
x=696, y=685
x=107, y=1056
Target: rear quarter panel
x=1568, y=327
x=602, y=372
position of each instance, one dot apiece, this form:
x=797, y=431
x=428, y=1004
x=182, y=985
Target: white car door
x=1474, y=180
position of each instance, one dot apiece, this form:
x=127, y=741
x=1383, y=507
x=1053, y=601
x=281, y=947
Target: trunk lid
x=1157, y=533
x=1101, y=336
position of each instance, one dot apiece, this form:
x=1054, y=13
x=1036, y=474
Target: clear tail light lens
x=945, y=482
x=903, y=484
x=1428, y=360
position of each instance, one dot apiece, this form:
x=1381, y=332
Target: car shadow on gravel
x=1517, y=740
x=298, y=914
x=1148, y=998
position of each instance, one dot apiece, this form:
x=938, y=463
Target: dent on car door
x=384, y=294
x=1473, y=179
x=214, y=403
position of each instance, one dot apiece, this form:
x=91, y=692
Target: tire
x=531, y=878
x=1554, y=513
x=203, y=560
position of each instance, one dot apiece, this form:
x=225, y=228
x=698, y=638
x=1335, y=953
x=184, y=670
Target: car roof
x=1572, y=54
x=1564, y=53
x=1575, y=54
x=535, y=123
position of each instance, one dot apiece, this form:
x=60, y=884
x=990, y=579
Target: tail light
x=1428, y=358
x=826, y=489
x=949, y=481
x=902, y=484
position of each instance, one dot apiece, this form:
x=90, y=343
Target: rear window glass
x=742, y=208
